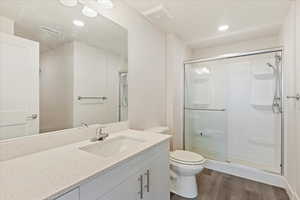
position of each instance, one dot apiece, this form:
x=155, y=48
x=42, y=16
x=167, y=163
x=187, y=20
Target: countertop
x=46, y=174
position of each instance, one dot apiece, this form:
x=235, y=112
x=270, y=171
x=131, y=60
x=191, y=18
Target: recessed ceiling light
x=108, y=4
x=89, y=12
x=223, y=28
x=203, y=71
x=69, y=3
x=78, y=23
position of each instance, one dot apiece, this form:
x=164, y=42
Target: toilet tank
x=160, y=129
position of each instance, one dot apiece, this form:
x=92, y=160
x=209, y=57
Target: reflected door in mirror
x=19, y=102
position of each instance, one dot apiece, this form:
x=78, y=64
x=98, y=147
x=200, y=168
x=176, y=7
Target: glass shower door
x=233, y=110
x=123, y=96
x=205, y=110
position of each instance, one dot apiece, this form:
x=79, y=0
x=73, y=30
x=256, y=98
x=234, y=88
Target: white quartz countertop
x=46, y=174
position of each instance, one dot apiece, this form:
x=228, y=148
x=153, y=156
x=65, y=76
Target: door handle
x=297, y=97
x=147, y=186
x=141, y=192
x=33, y=116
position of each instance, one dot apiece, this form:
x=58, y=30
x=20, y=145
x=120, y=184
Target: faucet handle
x=101, y=129
x=101, y=133
x=84, y=125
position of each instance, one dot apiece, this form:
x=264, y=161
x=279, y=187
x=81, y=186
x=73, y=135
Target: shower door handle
x=297, y=97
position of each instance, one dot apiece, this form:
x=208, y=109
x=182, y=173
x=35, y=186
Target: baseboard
x=248, y=173
x=290, y=191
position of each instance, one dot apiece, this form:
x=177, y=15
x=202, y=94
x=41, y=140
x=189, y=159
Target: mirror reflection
x=67, y=67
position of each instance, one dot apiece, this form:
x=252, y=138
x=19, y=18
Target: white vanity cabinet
x=72, y=195
x=145, y=177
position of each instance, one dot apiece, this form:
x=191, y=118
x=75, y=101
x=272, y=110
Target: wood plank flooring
x=218, y=186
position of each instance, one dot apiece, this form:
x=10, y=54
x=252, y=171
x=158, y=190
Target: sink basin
x=112, y=147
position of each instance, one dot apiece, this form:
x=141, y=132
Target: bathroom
x=139, y=99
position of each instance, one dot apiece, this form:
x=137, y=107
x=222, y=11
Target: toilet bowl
x=184, y=166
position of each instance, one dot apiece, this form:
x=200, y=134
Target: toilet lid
x=186, y=157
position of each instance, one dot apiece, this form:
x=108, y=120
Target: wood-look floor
x=218, y=186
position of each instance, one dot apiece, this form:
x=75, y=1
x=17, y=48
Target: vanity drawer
x=72, y=195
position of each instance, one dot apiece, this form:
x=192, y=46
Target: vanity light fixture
x=89, y=12
x=223, y=28
x=69, y=3
x=78, y=23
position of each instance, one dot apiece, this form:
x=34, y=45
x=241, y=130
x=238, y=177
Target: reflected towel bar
x=82, y=98
x=206, y=109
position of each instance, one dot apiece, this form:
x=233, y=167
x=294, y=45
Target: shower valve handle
x=297, y=97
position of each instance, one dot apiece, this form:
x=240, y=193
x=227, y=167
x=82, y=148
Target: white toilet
x=184, y=166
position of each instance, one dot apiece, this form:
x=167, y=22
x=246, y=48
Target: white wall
x=56, y=88
x=242, y=46
x=298, y=89
x=176, y=53
x=7, y=25
x=96, y=74
x=146, y=77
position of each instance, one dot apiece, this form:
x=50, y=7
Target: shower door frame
x=238, y=55
x=120, y=104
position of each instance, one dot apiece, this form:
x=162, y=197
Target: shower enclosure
x=233, y=109
x=123, y=96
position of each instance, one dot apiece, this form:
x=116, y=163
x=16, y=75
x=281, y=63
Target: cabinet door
x=129, y=190
x=156, y=176
x=72, y=195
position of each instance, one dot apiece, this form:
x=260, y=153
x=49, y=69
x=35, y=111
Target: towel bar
x=101, y=98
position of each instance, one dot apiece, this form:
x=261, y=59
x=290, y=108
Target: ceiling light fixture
x=223, y=28
x=89, y=12
x=69, y=3
x=203, y=71
x=107, y=4
x=78, y=23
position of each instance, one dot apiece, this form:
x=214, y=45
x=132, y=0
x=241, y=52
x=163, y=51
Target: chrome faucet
x=101, y=134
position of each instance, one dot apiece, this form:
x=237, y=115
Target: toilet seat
x=186, y=158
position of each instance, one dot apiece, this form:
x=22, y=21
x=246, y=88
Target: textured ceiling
x=196, y=21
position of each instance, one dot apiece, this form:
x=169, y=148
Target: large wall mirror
x=61, y=66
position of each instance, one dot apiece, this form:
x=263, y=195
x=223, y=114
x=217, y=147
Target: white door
x=297, y=132
x=19, y=87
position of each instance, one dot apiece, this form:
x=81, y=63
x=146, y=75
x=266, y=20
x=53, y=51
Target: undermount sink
x=112, y=147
